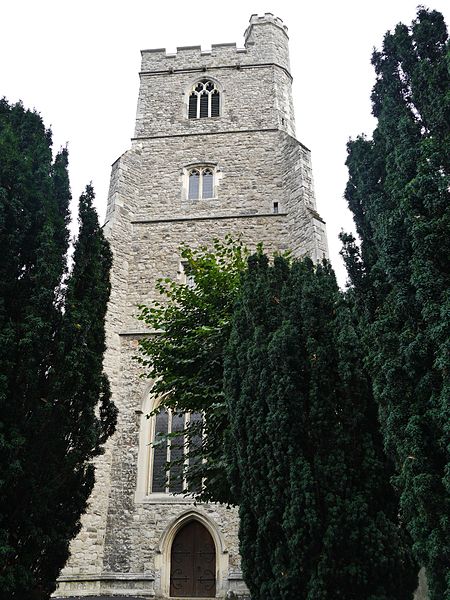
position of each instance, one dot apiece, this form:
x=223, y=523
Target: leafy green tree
x=398, y=191
x=185, y=359
x=51, y=348
x=318, y=517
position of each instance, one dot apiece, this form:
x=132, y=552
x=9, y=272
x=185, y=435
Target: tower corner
x=269, y=37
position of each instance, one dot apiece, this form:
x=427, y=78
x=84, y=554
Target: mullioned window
x=169, y=444
x=200, y=183
x=204, y=100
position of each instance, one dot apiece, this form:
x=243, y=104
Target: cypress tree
x=318, y=514
x=48, y=429
x=398, y=191
x=246, y=379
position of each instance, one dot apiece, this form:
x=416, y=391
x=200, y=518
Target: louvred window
x=204, y=100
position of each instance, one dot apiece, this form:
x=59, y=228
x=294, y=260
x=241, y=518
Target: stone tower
x=214, y=152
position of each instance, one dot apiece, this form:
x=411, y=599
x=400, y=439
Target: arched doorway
x=193, y=563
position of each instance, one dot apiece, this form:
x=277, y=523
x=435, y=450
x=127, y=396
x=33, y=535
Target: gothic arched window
x=169, y=444
x=204, y=100
x=200, y=183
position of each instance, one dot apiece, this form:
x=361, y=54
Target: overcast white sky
x=77, y=63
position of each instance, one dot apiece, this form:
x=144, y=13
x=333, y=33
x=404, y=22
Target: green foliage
x=185, y=357
x=51, y=347
x=398, y=191
x=318, y=517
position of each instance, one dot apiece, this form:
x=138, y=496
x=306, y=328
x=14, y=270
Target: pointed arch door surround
x=193, y=563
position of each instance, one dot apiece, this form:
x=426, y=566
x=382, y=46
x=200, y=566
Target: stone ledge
x=107, y=577
x=208, y=218
x=200, y=133
x=165, y=499
x=98, y=597
x=129, y=586
x=139, y=332
x=136, y=333
x=315, y=214
x=200, y=69
x=224, y=132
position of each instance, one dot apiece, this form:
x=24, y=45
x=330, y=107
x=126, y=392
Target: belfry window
x=201, y=183
x=204, y=100
x=169, y=444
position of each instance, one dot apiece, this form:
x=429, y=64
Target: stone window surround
x=143, y=495
x=187, y=169
x=199, y=177
x=187, y=93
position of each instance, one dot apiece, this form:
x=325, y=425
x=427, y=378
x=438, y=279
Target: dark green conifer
x=318, y=515
x=398, y=191
x=51, y=345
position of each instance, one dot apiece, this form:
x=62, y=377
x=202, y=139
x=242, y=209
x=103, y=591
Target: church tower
x=214, y=152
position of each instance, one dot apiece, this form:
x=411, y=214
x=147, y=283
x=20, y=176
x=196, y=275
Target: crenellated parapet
x=268, y=36
x=266, y=42
x=189, y=57
x=254, y=84
x=264, y=19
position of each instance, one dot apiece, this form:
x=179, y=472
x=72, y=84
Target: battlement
x=183, y=52
x=264, y=19
x=268, y=44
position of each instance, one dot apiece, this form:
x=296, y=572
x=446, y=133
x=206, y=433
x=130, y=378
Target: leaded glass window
x=204, y=100
x=166, y=448
x=194, y=184
x=160, y=452
x=207, y=184
x=176, y=454
x=201, y=183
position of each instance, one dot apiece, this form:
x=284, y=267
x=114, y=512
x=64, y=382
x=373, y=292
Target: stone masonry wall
x=255, y=84
x=264, y=193
x=251, y=98
x=307, y=234
x=135, y=528
x=249, y=178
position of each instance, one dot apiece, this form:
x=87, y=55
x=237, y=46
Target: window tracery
x=200, y=183
x=204, y=100
x=169, y=444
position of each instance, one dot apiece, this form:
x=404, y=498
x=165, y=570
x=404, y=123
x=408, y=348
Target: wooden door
x=193, y=563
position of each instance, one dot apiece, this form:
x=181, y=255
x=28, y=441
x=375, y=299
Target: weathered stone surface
x=263, y=192
x=422, y=590
x=105, y=597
